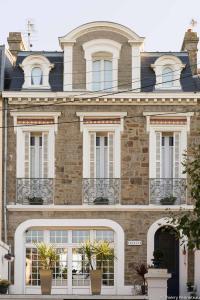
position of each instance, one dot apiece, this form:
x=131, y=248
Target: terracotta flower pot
x=46, y=281
x=96, y=277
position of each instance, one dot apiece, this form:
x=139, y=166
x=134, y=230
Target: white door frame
x=183, y=261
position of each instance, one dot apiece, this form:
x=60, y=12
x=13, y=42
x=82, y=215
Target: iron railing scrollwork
x=171, y=191
x=101, y=191
x=34, y=191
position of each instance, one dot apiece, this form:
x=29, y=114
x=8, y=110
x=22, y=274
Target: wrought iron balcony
x=101, y=191
x=34, y=191
x=167, y=191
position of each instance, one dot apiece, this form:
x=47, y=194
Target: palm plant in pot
x=96, y=253
x=141, y=270
x=47, y=256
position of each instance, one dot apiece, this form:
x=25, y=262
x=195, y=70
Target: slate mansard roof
x=2, y=51
x=148, y=78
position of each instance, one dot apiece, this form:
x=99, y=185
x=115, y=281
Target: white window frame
x=172, y=62
x=87, y=128
x=36, y=61
x=153, y=128
x=101, y=45
x=20, y=130
x=119, y=288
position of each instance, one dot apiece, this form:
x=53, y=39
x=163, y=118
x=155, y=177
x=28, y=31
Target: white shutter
x=176, y=171
x=111, y=155
x=158, y=154
x=27, y=154
x=45, y=154
x=92, y=154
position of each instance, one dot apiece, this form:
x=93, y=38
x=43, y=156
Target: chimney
x=16, y=43
x=190, y=43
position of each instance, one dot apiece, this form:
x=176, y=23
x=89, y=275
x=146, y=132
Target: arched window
x=167, y=77
x=36, y=76
x=102, y=73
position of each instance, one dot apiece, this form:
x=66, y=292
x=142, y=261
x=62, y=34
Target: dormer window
x=36, y=72
x=36, y=76
x=168, y=70
x=102, y=57
x=102, y=75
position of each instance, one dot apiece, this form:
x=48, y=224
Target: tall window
x=36, y=76
x=101, y=154
x=167, y=155
x=36, y=155
x=167, y=77
x=102, y=75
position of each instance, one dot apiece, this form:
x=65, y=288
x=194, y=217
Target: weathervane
x=193, y=23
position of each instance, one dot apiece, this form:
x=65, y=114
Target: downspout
x=5, y=170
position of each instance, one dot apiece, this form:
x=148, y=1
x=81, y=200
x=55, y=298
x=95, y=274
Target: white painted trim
x=197, y=271
x=31, y=62
x=19, y=273
x=68, y=68
x=136, y=67
x=101, y=45
x=125, y=95
x=115, y=208
x=19, y=130
x=121, y=115
x=35, y=114
x=100, y=25
x=175, y=64
x=183, y=263
x=116, y=128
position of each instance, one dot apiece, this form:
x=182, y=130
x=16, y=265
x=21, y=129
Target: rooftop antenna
x=30, y=30
x=193, y=23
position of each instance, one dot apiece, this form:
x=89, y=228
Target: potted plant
x=48, y=257
x=4, y=284
x=96, y=253
x=101, y=201
x=190, y=287
x=35, y=200
x=168, y=200
x=141, y=270
x=158, y=258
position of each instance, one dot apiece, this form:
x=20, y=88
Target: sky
x=162, y=22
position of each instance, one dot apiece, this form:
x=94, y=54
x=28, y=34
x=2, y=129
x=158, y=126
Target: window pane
x=36, y=76
x=80, y=269
x=105, y=235
x=34, y=236
x=167, y=77
x=108, y=75
x=80, y=236
x=96, y=75
x=58, y=236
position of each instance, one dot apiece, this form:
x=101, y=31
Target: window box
x=101, y=201
x=168, y=200
x=35, y=200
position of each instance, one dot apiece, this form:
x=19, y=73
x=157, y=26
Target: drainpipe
x=5, y=170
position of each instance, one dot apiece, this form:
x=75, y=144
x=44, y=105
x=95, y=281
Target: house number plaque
x=134, y=243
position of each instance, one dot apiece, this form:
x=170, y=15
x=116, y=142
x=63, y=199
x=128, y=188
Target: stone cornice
x=94, y=208
x=75, y=98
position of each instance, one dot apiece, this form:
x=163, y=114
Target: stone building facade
x=96, y=134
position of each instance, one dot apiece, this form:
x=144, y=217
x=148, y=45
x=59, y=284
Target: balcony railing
x=167, y=191
x=34, y=191
x=101, y=191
